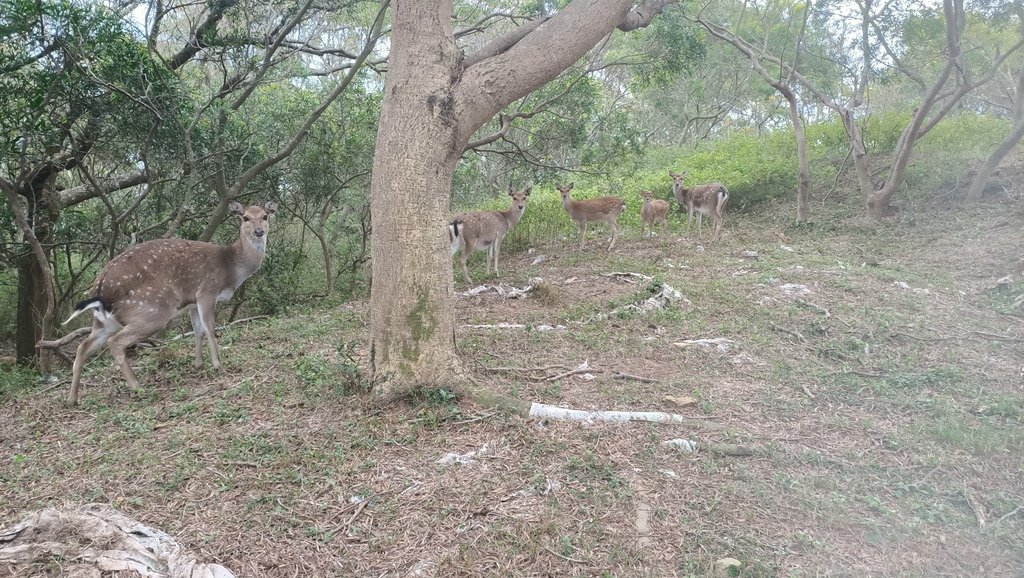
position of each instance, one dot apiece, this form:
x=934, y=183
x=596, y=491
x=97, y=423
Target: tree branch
x=199, y=41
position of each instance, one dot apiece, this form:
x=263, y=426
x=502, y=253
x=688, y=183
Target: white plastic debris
x=684, y=445
x=463, y=459
x=539, y=259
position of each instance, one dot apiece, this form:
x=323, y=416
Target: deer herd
x=485, y=229
x=138, y=292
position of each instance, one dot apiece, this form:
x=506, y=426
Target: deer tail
x=100, y=309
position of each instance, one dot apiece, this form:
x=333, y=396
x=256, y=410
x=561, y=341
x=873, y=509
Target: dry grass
x=887, y=421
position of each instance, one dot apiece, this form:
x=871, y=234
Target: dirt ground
x=876, y=371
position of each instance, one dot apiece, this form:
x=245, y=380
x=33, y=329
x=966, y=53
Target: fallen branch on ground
x=996, y=336
x=223, y=327
x=625, y=275
x=58, y=343
x=623, y=375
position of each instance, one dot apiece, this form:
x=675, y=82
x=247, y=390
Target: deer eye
x=246, y=219
x=264, y=217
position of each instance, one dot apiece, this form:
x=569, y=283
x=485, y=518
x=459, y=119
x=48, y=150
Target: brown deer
x=708, y=199
x=653, y=211
x=601, y=209
x=142, y=289
x=486, y=230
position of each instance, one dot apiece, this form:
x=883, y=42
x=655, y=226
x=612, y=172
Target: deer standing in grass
x=708, y=199
x=486, y=230
x=142, y=289
x=601, y=209
x=653, y=211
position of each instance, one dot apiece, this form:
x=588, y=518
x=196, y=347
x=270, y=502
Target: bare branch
x=504, y=42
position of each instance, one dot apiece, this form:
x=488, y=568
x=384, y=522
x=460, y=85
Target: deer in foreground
x=142, y=289
x=601, y=209
x=486, y=230
x=708, y=199
x=653, y=211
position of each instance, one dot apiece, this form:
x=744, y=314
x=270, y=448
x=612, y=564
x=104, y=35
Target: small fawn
x=485, y=230
x=708, y=199
x=653, y=211
x=142, y=289
x=601, y=209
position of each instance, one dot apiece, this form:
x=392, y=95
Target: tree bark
x=411, y=316
x=1016, y=134
x=433, y=103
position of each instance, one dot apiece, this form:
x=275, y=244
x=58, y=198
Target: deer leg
x=125, y=338
x=689, y=218
x=700, y=226
x=198, y=329
x=615, y=234
x=719, y=221
x=205, y=313
x=583, y=233
x=97, y=339
x=497, y=250
x=462, y=259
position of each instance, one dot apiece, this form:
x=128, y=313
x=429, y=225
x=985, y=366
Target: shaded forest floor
x=876, y=369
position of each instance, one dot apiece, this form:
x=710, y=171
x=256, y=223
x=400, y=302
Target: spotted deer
x=601, y=209
x=454, y=236
x=486, y=230
x=653, y=212
x=708, y=199
x=146, y=286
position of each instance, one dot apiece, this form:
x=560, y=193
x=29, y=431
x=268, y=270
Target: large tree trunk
x=411, y=316
x=434, y=100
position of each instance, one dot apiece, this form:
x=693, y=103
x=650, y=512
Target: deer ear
x=236, y=208
x=527, y=191
x=270, y=207
x=571, y=185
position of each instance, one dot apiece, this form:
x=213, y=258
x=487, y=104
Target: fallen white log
x=566, y=414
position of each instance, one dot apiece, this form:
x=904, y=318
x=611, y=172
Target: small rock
x=748, y=254
x=720, y=343
x=680, y=400
x=795, y=289
x=727, y=568
x=539, y=259
x=668, y=473
x=786, y=248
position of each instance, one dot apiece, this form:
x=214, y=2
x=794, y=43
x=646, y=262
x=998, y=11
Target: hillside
x=874, y=369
